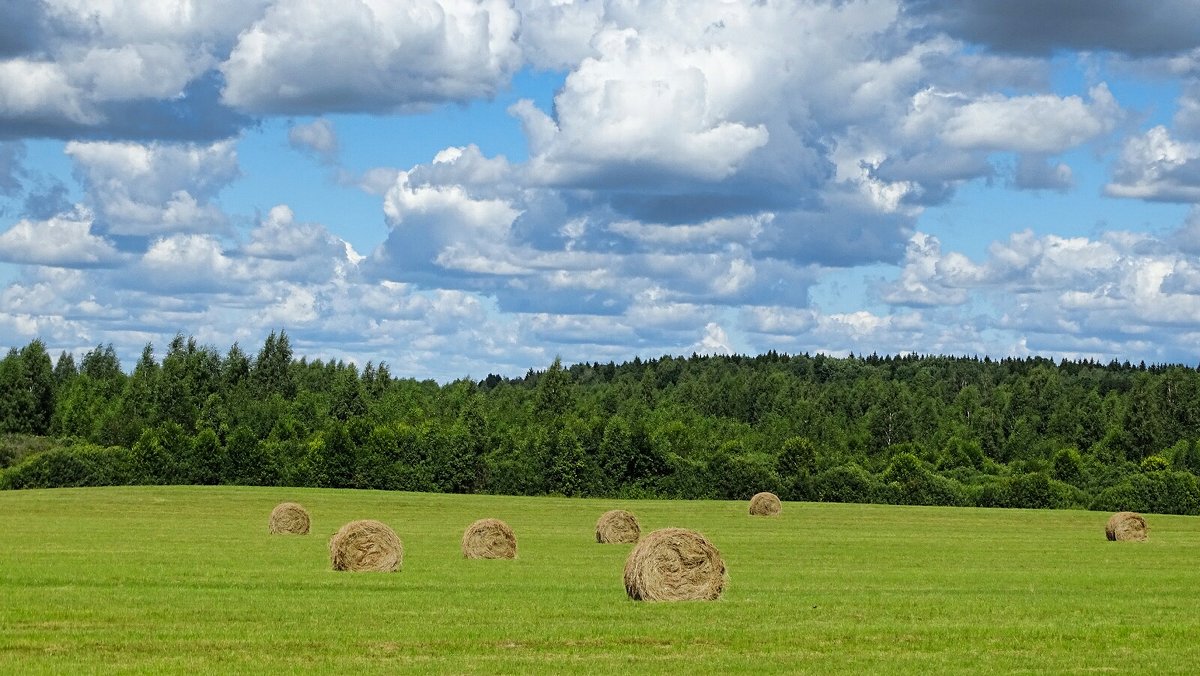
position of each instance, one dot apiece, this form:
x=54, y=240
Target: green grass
x=187, y=579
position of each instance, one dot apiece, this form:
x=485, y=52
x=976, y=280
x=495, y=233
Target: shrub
x=1033, y=490
x=845, y=483
x=960, y=452
x=84, y=465
x=14, y=447
x=1068, y=466
x=1155, y=463
x=1186, y=456
x=908, y=482
x=1161, y=492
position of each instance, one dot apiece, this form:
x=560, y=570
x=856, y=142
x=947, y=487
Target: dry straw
x=674, y=564
x=366, y=545
x=765, y=504
x=290, y=518
x=489, y=539
x=1126, y=526
x=617, y=526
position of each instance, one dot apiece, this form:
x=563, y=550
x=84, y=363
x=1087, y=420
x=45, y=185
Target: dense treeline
x=908, y=430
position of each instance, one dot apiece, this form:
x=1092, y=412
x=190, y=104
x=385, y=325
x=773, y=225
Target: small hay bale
x=289, y=518
x=765, y=504
x=674, y=564
x=366, y=545
x=1126, y=526
x=489, y=539
x=617, y=526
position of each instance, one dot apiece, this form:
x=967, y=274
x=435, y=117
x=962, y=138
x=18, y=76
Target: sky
x=465, y=187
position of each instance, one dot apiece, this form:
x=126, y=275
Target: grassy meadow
x=187, y=579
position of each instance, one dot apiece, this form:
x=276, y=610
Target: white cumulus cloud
x=65, y=240
x=147, y=189
x=371, y=55
x=1156, y=166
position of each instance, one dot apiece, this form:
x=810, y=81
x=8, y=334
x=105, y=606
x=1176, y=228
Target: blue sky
x=464, y=187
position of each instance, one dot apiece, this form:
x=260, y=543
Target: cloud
x=117, y=70
x=556, y=35
x=1187, y=237
x=1155, y=166
x=63, y=241
x=1035, y=172
x=147, y=189
x=316, y=138
x=778, y=321
x=850, y=230
x=582, y=330
x=12, y=156
x=1032, y=124
x=1069, y=295
x=30, y=90
x=643, y=108
x=1036, y=27
x=675, y=130
x=714, y=341
x=440, y=225
x=47, y=197
x=1187, y=118
x=282, y=249
x=306, y=57
x=186, y=264
x=705, y=235
x=22, y=28
x=840, y=333
x=928, y=279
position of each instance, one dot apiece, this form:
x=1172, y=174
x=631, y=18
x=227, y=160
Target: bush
x=737, y=477
x=1033, y=490
x=907, y=481
x=845, y=483
x=1186, y=456
x=14, y=447
x=686, y=480
x=84, y=465
x=1068, y=466
x=1162, y=492
x=1155, y=463
x=960, y=452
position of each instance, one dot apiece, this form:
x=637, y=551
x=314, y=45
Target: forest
x=911, y=429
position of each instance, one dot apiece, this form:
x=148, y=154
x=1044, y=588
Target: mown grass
x=187, y=579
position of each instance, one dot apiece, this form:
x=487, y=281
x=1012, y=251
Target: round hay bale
x=289, y=518
x=617, y=526
x=489, y=539
x=674, y=564
x=366, y=545
x=1126, y=526
x=765, y=504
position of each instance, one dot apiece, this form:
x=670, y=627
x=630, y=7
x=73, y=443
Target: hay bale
x=366, y=545
x=617, y=526
x=288, y=518
x=674, y=564
x=489, y=539
x=765, y=504
x=1126, y=526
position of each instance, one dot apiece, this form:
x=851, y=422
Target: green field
x=187, y=579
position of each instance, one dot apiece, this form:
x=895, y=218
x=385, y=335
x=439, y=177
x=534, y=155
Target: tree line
x=911, y=429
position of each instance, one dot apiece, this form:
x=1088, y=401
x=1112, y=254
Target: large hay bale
x=765, y=504
x=489, y=539
x=288, y=518
x=617, y=526
x=674, y=564
x=1126, y=526
x=366, y=545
